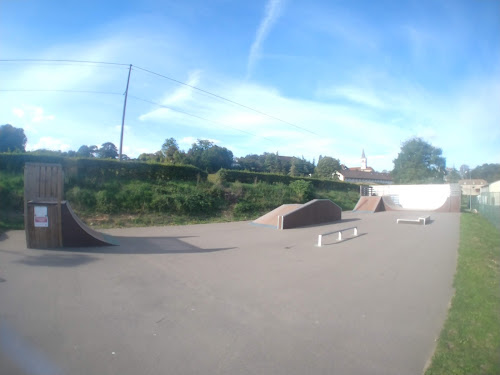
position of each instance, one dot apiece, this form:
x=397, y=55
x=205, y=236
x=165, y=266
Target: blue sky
x=335, y=77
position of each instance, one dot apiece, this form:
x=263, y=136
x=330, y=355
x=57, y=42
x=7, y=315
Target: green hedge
x=97, y=171
x=227, y=176
x=15, y=162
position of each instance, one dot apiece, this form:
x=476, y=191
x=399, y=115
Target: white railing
x=339, y=238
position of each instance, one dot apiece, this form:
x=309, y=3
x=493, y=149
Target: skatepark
x=231, y=298
x=242, y=297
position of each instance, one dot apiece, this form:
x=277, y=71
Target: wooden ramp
x=287, y=216
x=370, y=204
x=75, y=233
x=48, y=220
x=271, y=218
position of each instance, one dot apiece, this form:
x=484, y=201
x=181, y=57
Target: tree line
x=417, y=161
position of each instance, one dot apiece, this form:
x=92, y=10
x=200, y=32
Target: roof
x=476, y=181
x=365, y=175
x=367, y=169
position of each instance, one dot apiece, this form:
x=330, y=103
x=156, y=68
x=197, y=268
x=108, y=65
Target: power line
x=64, y=60
x=196, y=116
x=227, y=100
x=62, y=90
x=171, y=79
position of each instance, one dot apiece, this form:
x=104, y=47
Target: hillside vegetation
x=109, y=193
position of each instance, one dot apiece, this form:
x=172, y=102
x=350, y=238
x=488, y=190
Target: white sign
x=41, y=217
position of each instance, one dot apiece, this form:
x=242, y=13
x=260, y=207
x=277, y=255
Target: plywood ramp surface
x=271, y=218
x=369, y=204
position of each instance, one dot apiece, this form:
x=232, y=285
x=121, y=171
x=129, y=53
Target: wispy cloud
x=272, y=13
x=178, y=97
x=355, y=95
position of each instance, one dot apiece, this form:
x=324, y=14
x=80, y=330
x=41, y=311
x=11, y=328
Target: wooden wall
x=43, y=186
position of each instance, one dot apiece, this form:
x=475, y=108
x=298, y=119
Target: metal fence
x=488, y=205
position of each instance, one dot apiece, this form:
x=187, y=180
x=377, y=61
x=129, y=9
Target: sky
x=301, y=78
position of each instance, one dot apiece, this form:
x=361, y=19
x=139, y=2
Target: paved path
x=231, y=299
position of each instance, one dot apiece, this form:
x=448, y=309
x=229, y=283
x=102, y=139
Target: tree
x=453, y=176
x=464, y=169
x=327, y=166
x=12, y=139
x=272, y=163
x=488, y=172
x=418, y=163
x=107, y=151
x=170, y=150
x=87, y=151
x=208, y=156
x=301, y=167
x=253, y=162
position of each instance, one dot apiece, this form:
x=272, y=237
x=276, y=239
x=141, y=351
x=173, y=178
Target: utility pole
x=124, y=109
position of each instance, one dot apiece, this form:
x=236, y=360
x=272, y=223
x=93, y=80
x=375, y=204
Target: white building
x=363, y=174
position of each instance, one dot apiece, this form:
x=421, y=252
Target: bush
x=82, y=198
x=11, y=191
x=95, y=172
x=303, y=190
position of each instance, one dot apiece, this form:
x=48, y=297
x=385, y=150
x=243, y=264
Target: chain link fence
x=488, y=205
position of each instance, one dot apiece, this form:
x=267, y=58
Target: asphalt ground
x=231, y=298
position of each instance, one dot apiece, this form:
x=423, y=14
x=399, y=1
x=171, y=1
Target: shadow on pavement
x=3, y=236
x=153, y=245
x=73, y=257
x=58, y=260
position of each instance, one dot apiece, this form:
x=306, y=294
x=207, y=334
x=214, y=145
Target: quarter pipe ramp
x=75, y=233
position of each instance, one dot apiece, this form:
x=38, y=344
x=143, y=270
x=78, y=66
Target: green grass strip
x=470, y=340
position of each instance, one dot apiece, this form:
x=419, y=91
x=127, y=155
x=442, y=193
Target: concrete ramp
x=76, y=234
x=369, y=204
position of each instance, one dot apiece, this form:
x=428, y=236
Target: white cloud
x=272, y=13
x=185, y=92
x=39, y=116
x=354, y=94
x=180, y=96
x=49, y=143
x=32, y=114
x=18, y=112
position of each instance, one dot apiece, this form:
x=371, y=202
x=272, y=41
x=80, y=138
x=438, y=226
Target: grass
x=470, y=340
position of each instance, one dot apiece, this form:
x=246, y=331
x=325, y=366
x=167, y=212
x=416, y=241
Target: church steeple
x=363, y=160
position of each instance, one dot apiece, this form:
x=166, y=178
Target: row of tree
x=417, y=162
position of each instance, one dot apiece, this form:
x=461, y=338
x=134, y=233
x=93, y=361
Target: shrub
x=303, y=190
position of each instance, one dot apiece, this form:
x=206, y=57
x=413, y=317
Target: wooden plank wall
x=43, y=183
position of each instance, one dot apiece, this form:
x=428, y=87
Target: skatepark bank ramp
x=287, y=216
x=369, y=204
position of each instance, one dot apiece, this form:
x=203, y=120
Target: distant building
x=363, y=174
x=472, y=186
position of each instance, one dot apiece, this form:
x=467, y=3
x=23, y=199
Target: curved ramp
x=448, y=205
x=76, y=234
